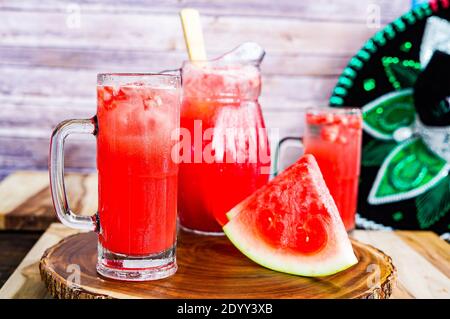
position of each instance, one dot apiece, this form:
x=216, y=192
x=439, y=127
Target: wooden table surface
x=14, y=245
x=422, y=260
x=26, y=203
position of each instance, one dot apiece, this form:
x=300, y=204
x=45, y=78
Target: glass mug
x=334, y=137
x=137, y=176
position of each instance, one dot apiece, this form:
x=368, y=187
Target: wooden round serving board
x=211, y=267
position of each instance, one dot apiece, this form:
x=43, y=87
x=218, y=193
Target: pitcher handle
x=56, y=171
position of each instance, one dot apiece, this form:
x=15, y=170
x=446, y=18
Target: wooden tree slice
x=211, y=267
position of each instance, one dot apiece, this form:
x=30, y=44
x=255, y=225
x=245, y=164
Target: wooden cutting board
x=422, y=261
x=211, y=267
x=26, y=203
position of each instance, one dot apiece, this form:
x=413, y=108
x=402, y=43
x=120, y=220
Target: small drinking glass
x=334, y=137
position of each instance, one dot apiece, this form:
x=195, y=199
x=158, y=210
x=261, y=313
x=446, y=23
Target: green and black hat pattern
x=405, y=182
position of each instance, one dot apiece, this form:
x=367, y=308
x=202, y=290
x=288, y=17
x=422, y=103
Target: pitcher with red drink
x=227, y=156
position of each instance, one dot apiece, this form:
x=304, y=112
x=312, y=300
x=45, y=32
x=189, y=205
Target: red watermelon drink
x=137, y=116
x=334, y=136
x=137, y=177
x=228, y=157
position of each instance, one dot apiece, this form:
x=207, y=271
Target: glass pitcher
x=225, y=153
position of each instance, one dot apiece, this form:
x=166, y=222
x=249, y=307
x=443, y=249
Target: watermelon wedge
x=292, y=224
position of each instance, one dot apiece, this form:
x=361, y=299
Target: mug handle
x=56, y=170
x=285, y=141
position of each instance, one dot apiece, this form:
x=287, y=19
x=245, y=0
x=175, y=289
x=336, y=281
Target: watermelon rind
x=231, y=214
x=325, y=264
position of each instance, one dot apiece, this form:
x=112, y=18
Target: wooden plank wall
x=50, y=52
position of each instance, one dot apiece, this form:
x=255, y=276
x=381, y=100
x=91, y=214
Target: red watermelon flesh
x=292, y=224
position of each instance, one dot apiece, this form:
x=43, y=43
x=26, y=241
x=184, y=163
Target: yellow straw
x=193, y=35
